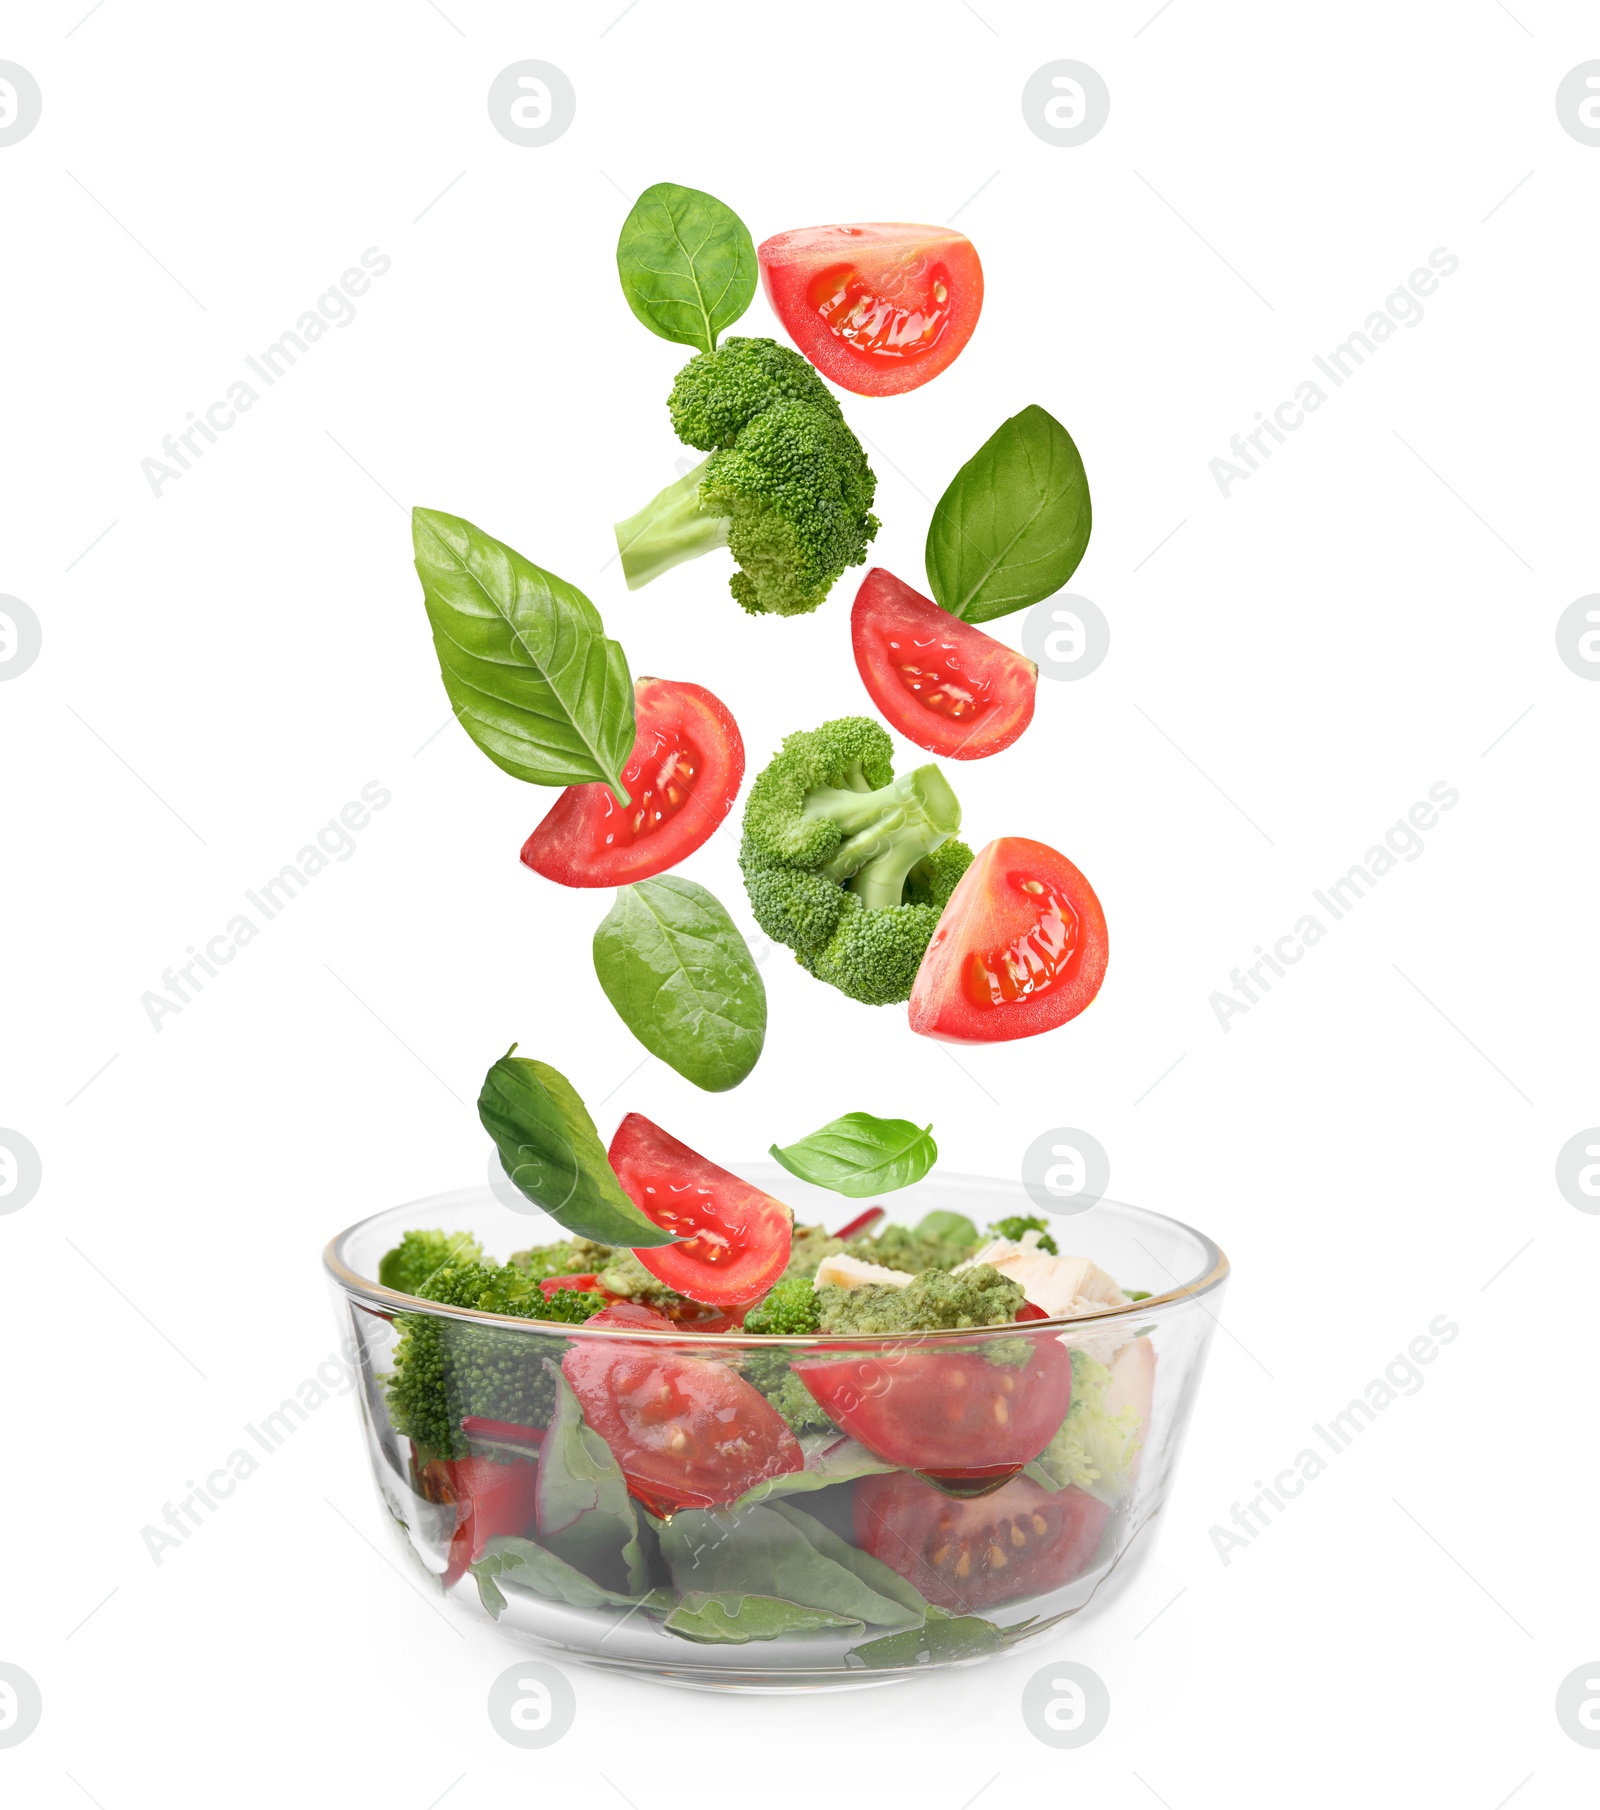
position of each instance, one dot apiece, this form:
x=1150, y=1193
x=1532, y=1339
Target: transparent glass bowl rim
x=1213, y=1273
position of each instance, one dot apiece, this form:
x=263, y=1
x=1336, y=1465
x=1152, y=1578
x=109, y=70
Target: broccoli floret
x=1017, y=1224
x=420, y=1255
x=847, y=865
x=446, y=1371
x=1093, y=1449
x=790, y=1308
x=787, y=488
x=769, y=1372
x=572, y=1306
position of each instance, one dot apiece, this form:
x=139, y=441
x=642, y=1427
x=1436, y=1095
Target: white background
x=1373, y=1143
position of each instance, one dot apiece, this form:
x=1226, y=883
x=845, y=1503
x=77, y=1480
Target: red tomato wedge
x=950, y=1414
x=687, y=1432
x=944, y=684
x=1021, y=1541
x=490, y=1498
x=735, y=1239
x=1021, y=948
x=877, y=308
x=683, y=776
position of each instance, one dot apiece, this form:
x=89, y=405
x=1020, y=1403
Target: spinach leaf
x=733, y=1618
x=873, y=1572
x=954, y=1228
x=758, y=1552
x=687, y=263
x=673, y=964
x=509, y=1559
x=1014, y=522
x=859, y=1155
x=942, y=1639
x=581, y=1499
x=831, y=1457
x=550, y=1149
x=524, y=657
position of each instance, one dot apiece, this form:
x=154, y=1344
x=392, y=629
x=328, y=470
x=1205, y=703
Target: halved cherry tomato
x=683, y=776
x=491, y=1498
x=944, y=684
x=1021, y=1541
x=877, y=308
x=550, y=1284
x=1021, y=948
x=955, y=1415
x=687, y=1432
x=735, y=1238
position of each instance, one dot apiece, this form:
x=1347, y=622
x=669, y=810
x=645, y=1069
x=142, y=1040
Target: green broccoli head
x=572, y=1306
x=845, y=864
x=420, y=1255
x=1017, y=1224
x=718, y=394
x=769, y=1372
x=790, y=1310
x=446, y=1370
x=787, y=487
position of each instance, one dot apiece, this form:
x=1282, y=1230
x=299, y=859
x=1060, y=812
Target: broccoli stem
x=886, y=832
x=670, y=529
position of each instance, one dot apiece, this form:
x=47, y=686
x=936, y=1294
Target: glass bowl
x=964, y=1493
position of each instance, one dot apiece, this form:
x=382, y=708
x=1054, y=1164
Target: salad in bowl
x=789, y=1446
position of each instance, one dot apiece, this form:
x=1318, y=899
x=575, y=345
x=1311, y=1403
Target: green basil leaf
x=730, y=1618
x=581, y=1499
x=687, y=263
x=758, y=1552
x=550, y=1149
x=524, y=657
x=859, y=1155
x=1014, y=522
x=673, y=964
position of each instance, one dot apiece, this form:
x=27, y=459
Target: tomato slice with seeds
x=944, y=684
x=1021, y=1541
x=734, y=1239
x=878, y=308
x=1021, y=947
x=951, y=1415
x=683, y=776
x=687, y=1432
